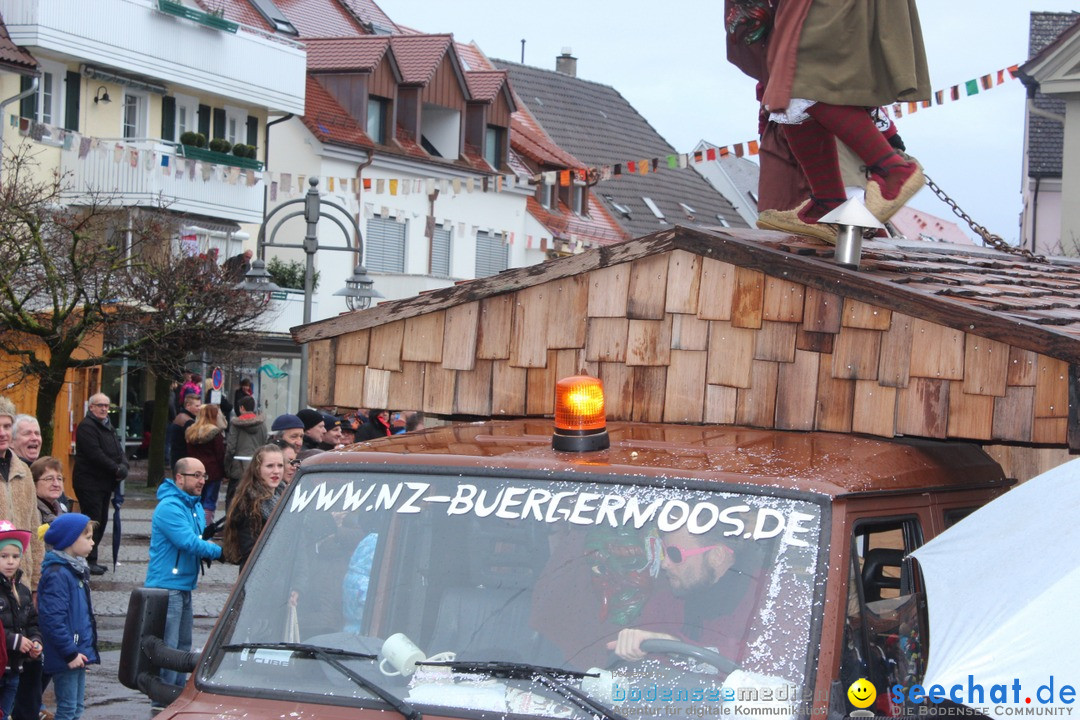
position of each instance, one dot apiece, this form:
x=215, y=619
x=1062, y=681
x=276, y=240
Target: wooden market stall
x=739, y=327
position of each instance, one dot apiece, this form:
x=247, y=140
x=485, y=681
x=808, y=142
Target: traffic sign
x=217, y=378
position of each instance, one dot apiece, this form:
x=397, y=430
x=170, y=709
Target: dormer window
x=545, y=194
x=378, y=113
x=441, y=134
x=494, y=144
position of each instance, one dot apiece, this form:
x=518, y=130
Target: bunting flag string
x=149, y=158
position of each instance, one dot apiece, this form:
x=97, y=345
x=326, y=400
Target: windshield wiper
x=327, y=655
x=552, y=678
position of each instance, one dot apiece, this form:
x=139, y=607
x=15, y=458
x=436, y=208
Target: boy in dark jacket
x=65, y=614
x=17, y=612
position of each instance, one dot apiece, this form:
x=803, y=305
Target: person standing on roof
x=818, y=90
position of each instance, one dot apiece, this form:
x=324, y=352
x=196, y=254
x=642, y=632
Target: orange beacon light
x=580, y=424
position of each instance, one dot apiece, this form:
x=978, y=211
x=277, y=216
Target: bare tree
x=189, y=305
x=70, y=272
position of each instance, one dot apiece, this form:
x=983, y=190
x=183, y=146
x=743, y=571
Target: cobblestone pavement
x=106, y=698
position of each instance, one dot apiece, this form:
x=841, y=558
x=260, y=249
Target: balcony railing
x=151, y=173
x=179, y=49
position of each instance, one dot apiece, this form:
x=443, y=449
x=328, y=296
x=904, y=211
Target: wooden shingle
x=608, y=289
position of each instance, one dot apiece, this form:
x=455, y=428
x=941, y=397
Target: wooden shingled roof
x=740, y=327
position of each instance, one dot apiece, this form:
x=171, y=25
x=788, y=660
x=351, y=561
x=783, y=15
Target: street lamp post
x=359, y=288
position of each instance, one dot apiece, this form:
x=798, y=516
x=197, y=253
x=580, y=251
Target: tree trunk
x=49, y=386
x=155, y=469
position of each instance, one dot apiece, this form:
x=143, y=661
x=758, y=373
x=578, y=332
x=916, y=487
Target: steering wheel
x=676, y=647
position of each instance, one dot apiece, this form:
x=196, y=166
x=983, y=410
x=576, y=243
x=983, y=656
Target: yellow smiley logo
x=862, y=693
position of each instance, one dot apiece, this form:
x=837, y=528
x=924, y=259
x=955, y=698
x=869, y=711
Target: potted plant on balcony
x=195, y=139
x=194, y=146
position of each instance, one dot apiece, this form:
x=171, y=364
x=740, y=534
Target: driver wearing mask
x=717, y=603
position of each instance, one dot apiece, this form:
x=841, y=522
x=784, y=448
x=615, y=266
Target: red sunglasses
x=677, y=554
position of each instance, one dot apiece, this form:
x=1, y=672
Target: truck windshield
x=442, y=591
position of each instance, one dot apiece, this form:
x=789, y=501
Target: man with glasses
x=702, y=571
x=100, y=464
x=176, y=550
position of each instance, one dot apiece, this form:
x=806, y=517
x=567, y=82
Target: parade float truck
x=490, y=569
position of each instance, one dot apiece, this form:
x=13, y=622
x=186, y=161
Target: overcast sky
x=668, y=60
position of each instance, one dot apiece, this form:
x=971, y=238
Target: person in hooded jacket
x=377, y=425
x=206, y=443
x=247, y=433
x=176, y=550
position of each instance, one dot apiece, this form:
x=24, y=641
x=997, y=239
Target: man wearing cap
x=176, y=550
x=314, y=428
x=100, y=464
x=332, y=438
x=288, y=429
x=18, y=501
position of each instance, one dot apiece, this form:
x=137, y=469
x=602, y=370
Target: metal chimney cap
x=852, y=212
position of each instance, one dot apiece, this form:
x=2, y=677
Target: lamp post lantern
x=359, y=288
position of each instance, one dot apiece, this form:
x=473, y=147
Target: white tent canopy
x=1003, y=589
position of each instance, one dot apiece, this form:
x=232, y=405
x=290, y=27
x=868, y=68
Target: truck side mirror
x=146, y=613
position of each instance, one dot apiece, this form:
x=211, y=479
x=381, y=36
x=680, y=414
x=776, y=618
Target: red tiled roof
x=346, y=54
x=918, y=225
x=418, y=56
x=240, y=11
x=367, y=11
x=599, y=227
x=529, y=139
x=328, y=121
x=14, y=56
x=320, y=18
x=485, y=85
x=407, y=144
x=472, y=56
x=311, y=18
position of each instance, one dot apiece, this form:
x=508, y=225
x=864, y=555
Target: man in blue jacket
x=177, y=550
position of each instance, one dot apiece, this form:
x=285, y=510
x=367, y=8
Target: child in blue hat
x=65, y=614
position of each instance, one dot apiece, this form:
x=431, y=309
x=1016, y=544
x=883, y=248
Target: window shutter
x=219, y=123
x=204, y=120
x=28, y=105
x=168, y=118
x=492, y=254
x=73, y=93
x=440, y=253
x=253, y=131
x=384, y=248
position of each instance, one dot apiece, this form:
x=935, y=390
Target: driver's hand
x=627, y=643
